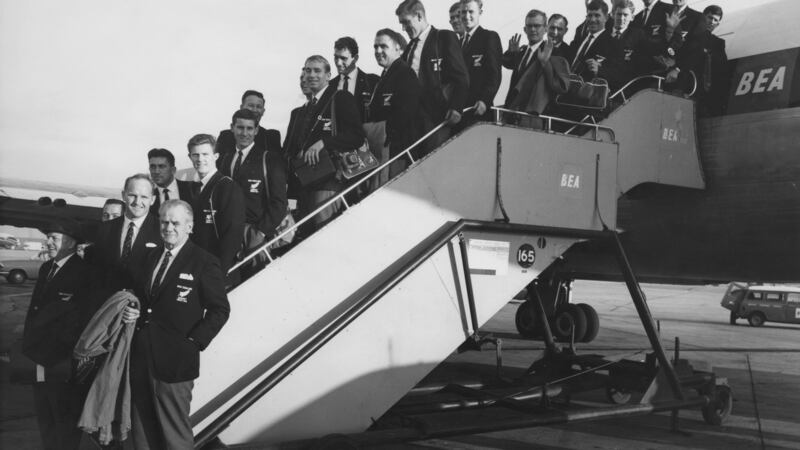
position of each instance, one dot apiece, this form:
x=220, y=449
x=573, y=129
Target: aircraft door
x=792, y=307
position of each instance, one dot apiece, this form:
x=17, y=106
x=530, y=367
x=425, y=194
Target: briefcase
x=585, y=94
x=319, y=173
x=355, y=162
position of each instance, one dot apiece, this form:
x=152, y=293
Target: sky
x=88, y=87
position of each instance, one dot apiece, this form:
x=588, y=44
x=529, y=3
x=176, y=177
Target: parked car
x=17, y=271
x=760, y=303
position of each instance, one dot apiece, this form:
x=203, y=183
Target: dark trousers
x=159, y=410
x=58, y=407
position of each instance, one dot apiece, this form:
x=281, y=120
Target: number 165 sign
x=526, y=255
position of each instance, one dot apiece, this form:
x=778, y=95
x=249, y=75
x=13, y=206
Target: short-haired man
x=691, y=55
x=436, y=58
x=122, y=243
x=481, y=50
x=59, y=309
x=711, y=78
x=265, y=138
x=557, y=27
x=112, y=209
x=162, y=171
x=598, y=54
x=581, y=31
x=517, y=58
x=261, y=175
x=311, y=132
x=350, y=78
x=396, y=100
x=183, y=307
x=455, y=20
x=219, y=212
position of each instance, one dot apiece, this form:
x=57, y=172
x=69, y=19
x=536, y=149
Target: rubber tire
x=718, y=411
x=733, y=318
x=16, y=277
x=617, y=396
x=569, y=316
x=527, y=320
x=756, y=319
x=592, y=322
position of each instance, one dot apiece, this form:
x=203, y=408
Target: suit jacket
x=656, y=24
x=693, y=26
x=512, y=60
x=185, y=193
x=638, y=52
x=219, y=217
x=304, y=133
x=106, y=253
x=184, y=314
x=365, y=84
x=441, y=70
x=482, y=56
x=397, y=100
x=265, y=202
x=564, y=51
x=539, y=84
x=57, y=314
x=607, y=47
x=265, y=138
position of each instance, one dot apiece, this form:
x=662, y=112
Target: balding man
x=183, y=307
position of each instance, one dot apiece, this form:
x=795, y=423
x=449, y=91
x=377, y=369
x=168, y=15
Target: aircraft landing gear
x=565, y=319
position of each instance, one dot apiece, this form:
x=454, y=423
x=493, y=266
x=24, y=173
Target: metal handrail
x=550, y=119
x=621, y=91
x=340, y=197
x=391, y=278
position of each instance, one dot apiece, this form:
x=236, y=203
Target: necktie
x=166, y=194
x=617, y=33
x=160, y=273
x=582, y=51
x=128, y=244
x=52, y=271
x=523, y=63
x=412, y=47
x=237, y=164
x=465, y=41
x=346, y=86
x=646, y=15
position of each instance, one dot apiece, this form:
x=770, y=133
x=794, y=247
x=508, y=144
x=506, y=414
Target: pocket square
x=150, y=245
x=186, y=276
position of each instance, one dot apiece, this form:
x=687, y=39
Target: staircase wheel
x=527, y=320
x=568, y=317
x=618, y=396
x=720, y=407
x=592, y=322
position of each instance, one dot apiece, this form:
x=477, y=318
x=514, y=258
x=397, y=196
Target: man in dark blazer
x=312, y=130
x=557, y=27
x=639, y=53
x=261, y=175
x=436, y=58
x=598, y=54
x=121, y=244
x=517, y=58
x=162, y=171
x=265, y=138
x=652, y=19
x=350, y=78
x=482, y=52
x=183, y=306
x=219, y=212
x=60, y=307
x=396, y=99
x=712, y=80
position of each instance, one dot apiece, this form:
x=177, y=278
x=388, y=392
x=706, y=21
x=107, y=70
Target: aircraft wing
x=34, y=204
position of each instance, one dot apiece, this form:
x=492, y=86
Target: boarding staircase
x=329, y=336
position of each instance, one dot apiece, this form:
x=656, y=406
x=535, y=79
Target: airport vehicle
x=452, y=239
x=762, y=303
x=17, y=271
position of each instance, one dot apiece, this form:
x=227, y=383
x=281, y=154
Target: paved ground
x=769, y=383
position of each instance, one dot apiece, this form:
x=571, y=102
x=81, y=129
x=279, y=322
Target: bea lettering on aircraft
x=571, y=180
x=763, y=82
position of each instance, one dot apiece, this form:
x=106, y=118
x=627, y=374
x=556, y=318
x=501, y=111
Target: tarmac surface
x=762, y=366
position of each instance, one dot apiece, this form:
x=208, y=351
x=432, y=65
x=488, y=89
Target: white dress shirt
x=415, y=58
x=351, y=81
x=137, y=225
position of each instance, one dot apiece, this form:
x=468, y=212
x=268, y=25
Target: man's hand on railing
x=480, y=108
x=452, y=117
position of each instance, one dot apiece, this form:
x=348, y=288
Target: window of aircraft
x=793, y=297
x=773, y=297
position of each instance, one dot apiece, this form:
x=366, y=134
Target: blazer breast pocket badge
x=477, y=60
x=656, y=29
x=209, y=216
x=65, y=296
x=326, y=124
x=183, y=294
x=436, y=64
x=387, y=99
x=628, y=54
x=254, y=185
